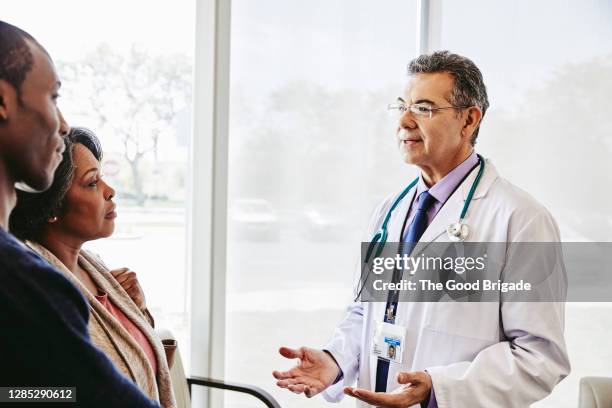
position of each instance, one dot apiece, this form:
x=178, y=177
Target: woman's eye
x=93, y=183
x=423, y=109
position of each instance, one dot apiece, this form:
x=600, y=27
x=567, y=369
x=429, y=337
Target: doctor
x=504, y=354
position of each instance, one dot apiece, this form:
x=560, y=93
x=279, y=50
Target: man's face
x=35, y=125
x=428, y=141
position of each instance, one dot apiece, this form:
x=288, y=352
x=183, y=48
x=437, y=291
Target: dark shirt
x=44, y=340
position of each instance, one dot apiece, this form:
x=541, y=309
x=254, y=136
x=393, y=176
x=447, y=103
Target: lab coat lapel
x=450, y=212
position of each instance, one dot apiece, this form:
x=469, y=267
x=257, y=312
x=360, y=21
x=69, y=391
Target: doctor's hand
x=415, y=389
x=316, y=371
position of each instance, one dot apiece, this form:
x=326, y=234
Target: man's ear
x=472, y=119
x=8, y=98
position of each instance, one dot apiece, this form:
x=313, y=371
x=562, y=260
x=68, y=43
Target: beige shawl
x=111, y=337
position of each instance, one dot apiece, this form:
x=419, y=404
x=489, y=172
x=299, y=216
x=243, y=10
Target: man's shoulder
x=19, y=263
x=515, y=199
x=31, y=284
x=528, y=219
x=13, y=252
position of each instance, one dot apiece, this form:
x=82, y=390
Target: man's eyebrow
x=425, y=101
x=401, y=100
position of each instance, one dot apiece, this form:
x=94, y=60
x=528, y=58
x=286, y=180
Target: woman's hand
x=129, y=282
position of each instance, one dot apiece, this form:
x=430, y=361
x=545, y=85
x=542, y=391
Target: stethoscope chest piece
x=458, y=231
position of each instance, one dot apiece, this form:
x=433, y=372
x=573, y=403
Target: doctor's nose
x=406, y=121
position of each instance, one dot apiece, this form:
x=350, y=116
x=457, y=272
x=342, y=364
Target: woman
x=76, y=209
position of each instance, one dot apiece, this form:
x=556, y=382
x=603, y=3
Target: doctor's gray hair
x=469, y=88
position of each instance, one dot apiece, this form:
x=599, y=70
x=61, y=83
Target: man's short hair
x=16, y=58
x=468, y=89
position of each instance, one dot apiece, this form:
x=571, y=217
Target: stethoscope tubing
x=379, y=239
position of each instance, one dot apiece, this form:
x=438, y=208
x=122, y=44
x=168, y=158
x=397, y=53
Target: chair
x=595, y=392
x=182, y=385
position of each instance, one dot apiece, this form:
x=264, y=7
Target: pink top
x=134, y=331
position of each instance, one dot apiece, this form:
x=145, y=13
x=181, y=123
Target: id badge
x=388, y=341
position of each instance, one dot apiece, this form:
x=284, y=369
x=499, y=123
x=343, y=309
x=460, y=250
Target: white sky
x=337, y=43
x=355, y=44
x=69, y=27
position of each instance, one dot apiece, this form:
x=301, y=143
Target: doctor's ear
x=472, y=119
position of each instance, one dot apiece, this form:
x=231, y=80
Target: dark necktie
x=415, y=231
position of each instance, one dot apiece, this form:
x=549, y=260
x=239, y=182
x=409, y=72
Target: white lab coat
x=488, y=354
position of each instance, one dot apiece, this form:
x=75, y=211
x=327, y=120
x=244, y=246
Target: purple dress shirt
x=441, y=191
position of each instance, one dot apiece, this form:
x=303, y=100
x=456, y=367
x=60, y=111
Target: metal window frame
x=429, y=26
x=208, y=178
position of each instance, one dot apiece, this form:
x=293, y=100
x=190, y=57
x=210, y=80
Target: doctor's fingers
x=282, y=375
x=296, y=381
x=309, y=391
x=407, y=378
x=292, y=353
x=289, y=382
x=381, y=399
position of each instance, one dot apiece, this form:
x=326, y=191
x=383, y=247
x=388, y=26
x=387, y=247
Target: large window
x=130, y=81
x=311, y=151
x=309, y=157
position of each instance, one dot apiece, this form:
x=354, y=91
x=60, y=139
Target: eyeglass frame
x=403, y=107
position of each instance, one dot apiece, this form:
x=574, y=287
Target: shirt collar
x=442, y=190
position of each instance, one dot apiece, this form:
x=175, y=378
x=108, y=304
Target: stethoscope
x=457, y=232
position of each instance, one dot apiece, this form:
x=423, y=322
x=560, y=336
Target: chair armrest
x=256, y=392
x=595, y=392
x=169, y=343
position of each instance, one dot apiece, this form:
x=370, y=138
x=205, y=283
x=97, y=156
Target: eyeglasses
x=420, y=110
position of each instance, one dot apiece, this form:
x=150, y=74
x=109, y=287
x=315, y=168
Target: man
x=391, y=352
x=44, y=338
x=489, y=354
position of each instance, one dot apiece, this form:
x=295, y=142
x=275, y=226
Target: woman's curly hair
x=33, y=210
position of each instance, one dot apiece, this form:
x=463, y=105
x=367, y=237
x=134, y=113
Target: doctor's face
x=431, y=142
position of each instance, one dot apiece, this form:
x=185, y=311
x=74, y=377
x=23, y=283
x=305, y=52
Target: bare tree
x=136, y=96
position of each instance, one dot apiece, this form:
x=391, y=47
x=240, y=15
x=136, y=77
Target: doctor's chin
x=306, y=204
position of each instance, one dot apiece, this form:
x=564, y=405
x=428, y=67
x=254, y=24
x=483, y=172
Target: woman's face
x=88, y=212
